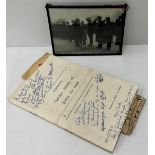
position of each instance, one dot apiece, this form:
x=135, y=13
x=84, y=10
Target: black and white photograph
x=81, y=30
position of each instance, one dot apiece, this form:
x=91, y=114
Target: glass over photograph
x=87, y=31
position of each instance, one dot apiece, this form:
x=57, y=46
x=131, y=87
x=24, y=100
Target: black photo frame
x=64, y=40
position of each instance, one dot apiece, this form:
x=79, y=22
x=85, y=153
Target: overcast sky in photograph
x=72, y=13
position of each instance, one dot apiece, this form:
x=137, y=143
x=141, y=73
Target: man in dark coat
x=83, y=32
x=77, y=32
x=90, y=30
x=119, y=30
x=71, y=34
x=100, y=25
x=108, y=32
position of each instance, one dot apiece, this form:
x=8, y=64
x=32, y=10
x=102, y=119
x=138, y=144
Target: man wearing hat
x=118, y=25
x=90, y=30
x=108, y=32
x=100, y=31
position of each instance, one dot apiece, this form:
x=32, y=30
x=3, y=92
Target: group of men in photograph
x=78, y=31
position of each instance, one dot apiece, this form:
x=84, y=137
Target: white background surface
x=27, y=23
x=28, y=134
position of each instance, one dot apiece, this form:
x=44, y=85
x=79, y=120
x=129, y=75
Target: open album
x=86, y=102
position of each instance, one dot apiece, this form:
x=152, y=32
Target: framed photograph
x=87, y=30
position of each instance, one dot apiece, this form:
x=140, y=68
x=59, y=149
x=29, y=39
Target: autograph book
x=90, y=104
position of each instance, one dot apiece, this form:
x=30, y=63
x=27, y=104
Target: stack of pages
x=88, y=103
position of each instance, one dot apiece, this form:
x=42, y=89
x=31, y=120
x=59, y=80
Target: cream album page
x=89, y=104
